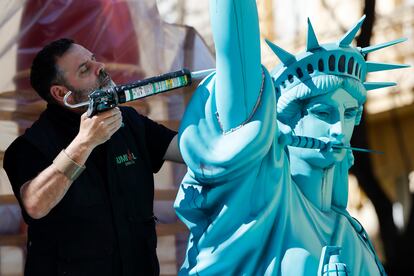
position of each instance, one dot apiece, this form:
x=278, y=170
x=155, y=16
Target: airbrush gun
x=104, y=99
x=313, y=143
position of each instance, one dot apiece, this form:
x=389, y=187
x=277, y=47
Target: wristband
x=67, y=166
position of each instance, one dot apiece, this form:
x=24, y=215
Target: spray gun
x=330, y=264
x=104, y=99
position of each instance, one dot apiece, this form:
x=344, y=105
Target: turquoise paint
x=253, y=205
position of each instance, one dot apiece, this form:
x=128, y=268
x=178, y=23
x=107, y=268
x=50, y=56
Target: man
x=86, y=185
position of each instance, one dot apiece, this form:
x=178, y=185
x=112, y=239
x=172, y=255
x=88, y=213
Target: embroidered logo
x=126, y=159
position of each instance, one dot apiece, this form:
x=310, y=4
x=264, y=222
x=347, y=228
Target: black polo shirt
x=104, y=223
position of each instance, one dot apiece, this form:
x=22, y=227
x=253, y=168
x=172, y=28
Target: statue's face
x=329, y=117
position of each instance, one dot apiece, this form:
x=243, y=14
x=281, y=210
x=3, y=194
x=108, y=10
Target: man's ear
x=58, y=92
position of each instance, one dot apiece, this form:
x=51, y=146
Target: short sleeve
x=23, y=162
x=156, y=136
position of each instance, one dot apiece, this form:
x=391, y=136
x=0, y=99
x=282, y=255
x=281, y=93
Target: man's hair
x=44, y=71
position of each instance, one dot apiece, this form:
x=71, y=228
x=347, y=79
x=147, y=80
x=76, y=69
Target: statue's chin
x=325, y=160
x=339, y=155
x=316, y=158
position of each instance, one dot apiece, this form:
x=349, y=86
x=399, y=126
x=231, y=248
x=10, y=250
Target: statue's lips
x=331, y=143
x=337, y=147
x=337, y=150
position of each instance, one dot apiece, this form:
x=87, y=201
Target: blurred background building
x=140, y=38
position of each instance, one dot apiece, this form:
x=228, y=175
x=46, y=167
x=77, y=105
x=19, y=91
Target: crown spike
x=350, y=35
x=377, y=66
x=377, y=85
x=373, y=48
x=284, y=56
x=312, y=42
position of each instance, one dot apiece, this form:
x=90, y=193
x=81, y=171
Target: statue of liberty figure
x=268, y=155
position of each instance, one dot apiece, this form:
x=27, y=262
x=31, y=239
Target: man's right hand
x=99, y=129
x=42, y=193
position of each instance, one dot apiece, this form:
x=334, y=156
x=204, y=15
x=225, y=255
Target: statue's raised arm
x=230, y=120
x=235, y=27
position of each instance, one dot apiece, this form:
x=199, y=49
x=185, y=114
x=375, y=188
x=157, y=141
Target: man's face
x=329, y=117
x=82, y=73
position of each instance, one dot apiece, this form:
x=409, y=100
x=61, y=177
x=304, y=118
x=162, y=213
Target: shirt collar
x=63, y=116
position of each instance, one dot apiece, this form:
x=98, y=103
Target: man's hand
x=42, y=193
x=98, y=129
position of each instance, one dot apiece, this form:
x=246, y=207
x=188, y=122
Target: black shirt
x=107, y=211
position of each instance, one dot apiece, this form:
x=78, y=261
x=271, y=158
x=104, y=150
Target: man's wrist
x=83, y=144
x=68, y=166
x=79, y=150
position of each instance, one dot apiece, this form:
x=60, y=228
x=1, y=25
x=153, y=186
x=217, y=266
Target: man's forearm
x=42, y=193
x=47, y=189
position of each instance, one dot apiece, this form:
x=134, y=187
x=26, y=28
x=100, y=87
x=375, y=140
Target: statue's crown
x=341, y=59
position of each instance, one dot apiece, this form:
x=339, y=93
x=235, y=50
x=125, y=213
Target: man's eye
x=84, y=70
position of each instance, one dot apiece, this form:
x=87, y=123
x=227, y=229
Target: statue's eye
x=322, y=114
x=351, y=113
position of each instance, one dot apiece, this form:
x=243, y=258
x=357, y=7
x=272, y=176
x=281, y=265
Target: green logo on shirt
x=126, y=159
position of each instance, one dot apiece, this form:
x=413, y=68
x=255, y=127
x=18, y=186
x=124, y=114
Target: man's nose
x=99, y=66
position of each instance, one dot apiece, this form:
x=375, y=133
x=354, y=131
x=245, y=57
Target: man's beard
x=103, y=82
